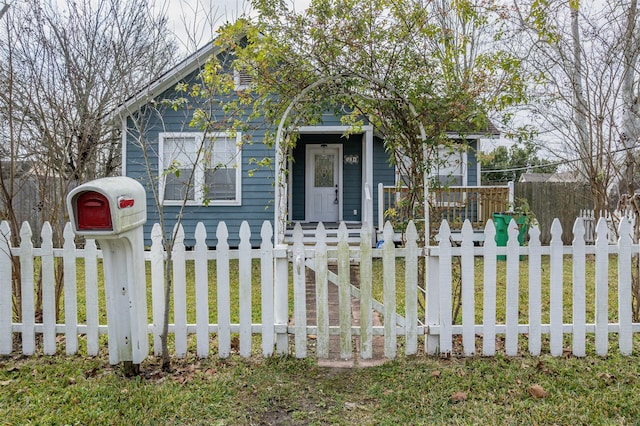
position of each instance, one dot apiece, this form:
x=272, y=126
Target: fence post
x=555, y=291
x=179, y=292
x=26, y=288
x=444, y=280
x=489, y=291
x=579, y=289
x=322, y=292
x=468, y=290
x=48, y=292
x=299, y=293
x=6, y=273
x=202, y=291
x=91, y=292
x=344, y=293
x=602, y=288
x=224, y=296
x=535, y=291
x=389, y=278
x=157, y=286
x=625, y=335
x=70, y=291
x=266, y=283
x=411, y=290
x=512, y=293
x=244, y=289
x=366, y=285
x=281, y=299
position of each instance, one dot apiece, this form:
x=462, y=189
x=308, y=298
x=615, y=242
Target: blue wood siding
x=257, y=191
x=352, y=180
x=257, y=184
x=383, y=172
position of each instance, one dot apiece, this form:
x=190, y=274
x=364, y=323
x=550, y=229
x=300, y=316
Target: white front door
x=323, y=184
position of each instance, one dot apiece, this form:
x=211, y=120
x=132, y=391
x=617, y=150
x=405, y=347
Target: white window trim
x=463, y=167
x=199, y=177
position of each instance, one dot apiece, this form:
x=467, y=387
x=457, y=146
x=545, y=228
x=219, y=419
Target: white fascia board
x=332, y=129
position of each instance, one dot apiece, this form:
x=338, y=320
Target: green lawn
x=418, y=390
x=415, y=390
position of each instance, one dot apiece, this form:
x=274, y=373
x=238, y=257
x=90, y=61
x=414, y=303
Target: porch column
x=367, y=199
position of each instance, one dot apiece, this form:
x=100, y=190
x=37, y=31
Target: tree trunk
x=631, y=116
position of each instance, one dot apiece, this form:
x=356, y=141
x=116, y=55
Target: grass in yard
x=287, y=391
x=414, y=390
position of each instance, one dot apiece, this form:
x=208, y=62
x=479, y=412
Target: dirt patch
x=300, y=410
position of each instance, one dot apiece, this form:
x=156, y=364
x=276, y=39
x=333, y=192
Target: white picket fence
x=439, y=321
x=435, y=328
x=589, y=220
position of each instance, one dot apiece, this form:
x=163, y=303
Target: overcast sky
x=194, y=21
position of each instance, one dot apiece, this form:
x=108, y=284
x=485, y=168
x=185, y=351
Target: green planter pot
x=501, y=222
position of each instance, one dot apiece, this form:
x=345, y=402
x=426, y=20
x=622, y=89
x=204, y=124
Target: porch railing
x=453, y=204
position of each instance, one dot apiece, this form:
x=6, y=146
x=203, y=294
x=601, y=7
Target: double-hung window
x=200, y=169
x=450, y=167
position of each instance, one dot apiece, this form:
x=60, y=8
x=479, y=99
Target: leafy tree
x=416, y=70
x=507, y=164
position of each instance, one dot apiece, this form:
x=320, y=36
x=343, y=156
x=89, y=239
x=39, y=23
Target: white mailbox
x=112, y=211
x=107, y=206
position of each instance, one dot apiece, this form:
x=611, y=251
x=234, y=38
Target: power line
x=557, y=163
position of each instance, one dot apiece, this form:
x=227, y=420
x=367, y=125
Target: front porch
x=309, y=231
x=328, y=177
x=454, y=204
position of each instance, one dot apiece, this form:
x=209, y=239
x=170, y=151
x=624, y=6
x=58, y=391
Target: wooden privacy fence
x=215, y=294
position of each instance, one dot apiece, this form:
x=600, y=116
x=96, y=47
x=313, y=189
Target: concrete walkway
x=334, y=360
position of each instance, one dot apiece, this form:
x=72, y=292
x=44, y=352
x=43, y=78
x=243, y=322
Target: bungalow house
x=331, y=177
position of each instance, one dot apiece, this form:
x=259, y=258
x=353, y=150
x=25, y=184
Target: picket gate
x=434, y=328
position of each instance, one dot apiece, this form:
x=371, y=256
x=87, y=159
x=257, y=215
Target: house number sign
x=352, y=159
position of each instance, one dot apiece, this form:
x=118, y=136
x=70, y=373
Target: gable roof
x=472, y=131
x=195, y=61
x=167, y=80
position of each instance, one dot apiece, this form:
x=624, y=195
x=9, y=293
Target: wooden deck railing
x=455, y=204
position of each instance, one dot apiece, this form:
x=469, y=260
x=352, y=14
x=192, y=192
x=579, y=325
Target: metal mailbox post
x=112, y=211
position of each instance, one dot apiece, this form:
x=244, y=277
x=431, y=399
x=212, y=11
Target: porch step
x=309, y=234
